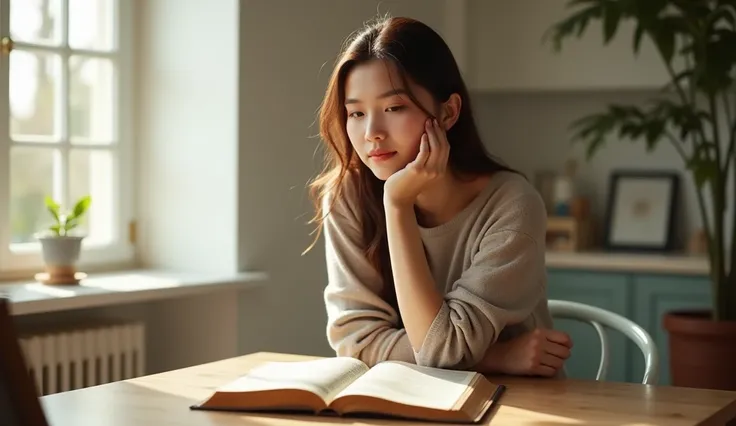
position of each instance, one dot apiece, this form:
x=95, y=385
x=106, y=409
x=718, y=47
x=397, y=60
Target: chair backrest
x=19, y=403
x=600, y=318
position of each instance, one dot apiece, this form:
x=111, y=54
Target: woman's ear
x=450, y=111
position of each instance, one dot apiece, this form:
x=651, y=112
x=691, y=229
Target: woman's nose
x=375, y=130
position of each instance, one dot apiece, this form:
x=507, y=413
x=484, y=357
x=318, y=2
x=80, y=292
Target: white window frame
x=122, y=250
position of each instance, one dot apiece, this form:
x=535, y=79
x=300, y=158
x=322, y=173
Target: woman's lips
x=383, y=157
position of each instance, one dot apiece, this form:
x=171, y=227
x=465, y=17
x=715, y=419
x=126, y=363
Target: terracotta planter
x=701, y=350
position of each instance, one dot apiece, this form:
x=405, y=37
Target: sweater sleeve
x=360, y=323
x=503, y=285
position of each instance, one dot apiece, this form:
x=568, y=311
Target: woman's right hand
x=540, y=352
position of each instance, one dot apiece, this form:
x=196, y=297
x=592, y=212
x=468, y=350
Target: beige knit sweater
x=488, y=262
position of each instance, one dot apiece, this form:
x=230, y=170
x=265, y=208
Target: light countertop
x=681, y=264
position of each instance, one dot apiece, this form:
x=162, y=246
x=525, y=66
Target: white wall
x=188, y=133
x=507, y=50
x=187, y=168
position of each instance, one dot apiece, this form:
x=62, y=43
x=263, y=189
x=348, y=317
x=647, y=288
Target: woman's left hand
x=404, y=186
x=540, y=352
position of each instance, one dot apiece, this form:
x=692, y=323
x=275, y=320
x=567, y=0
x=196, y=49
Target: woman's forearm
x=416, y=293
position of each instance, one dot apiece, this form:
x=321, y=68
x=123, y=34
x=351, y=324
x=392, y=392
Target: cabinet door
x=607, y=291
x=506, y=53
x=655, y=295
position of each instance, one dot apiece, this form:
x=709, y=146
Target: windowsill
x=675, y=264
x=133, y=286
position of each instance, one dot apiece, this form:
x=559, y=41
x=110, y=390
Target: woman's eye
x=355, y=114
x=395, y=108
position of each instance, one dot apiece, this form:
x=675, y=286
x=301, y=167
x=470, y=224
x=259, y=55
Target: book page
x=411, y=384
x=324, y=377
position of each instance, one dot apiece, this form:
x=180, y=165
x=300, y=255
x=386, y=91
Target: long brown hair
x=421, y=55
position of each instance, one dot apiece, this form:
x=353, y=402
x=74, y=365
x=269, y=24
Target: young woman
x=435, y=251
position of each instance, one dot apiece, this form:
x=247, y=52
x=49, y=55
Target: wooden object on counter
x=573, y=232
x=580, y=208
x=568, y=234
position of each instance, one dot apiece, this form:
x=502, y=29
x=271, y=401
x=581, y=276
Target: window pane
x=34, y=91
x=91, y=173
x=36, y=21
x=91, y=100
x=31, y=180
x=91, y=24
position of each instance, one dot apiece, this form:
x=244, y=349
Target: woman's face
x=383, y=124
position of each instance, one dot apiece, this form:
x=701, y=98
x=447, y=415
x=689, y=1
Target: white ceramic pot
x=61, y=251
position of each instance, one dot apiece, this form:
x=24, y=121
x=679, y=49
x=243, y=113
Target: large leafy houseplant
x=695, y=111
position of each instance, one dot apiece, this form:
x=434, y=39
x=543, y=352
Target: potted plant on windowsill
x=60, y=247
x=696, y=113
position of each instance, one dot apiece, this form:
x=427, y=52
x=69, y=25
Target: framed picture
x=640, y=215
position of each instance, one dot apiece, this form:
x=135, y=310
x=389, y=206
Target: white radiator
x=63, y=359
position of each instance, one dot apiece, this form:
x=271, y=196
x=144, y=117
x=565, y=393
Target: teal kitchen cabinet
x=607, y=291
x=641, y=297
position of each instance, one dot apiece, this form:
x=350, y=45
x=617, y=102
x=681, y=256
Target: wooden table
x=164, y=400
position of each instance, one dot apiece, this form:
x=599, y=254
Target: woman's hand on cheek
x=403, y=187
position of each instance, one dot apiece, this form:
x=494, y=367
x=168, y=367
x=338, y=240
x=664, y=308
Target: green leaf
x=636, y=124
x=702, y=165
x=692, y=10
x=582, y=26
x=637, y=37
x=593, y=147
x=724, y=12
x=685, y=75
x=716, y=60
x=594, y=129
x=611, y=19
x=654, y=132
x=575, y=24
x=650, y=9
x=573, y=3
x=730, y=7
x=81, y=207
x=68, y=226
x=56, y=229
x=52, y=207
x=665, y=41
x=631, y=131
x=686, y=118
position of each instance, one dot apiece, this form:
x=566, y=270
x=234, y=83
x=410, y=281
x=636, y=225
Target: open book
x=346, y=386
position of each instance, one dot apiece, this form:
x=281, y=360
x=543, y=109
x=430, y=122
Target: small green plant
x=65, y=221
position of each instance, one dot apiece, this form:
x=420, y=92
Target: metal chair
x=599, y=318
